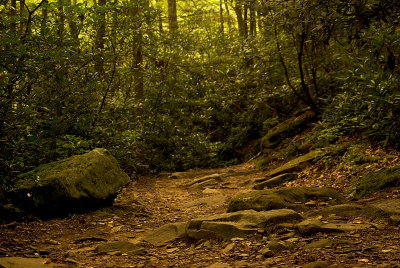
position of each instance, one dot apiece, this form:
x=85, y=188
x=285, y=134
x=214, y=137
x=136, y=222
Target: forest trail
x=148, y=203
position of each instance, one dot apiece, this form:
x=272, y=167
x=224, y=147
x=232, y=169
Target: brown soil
x=151, y=202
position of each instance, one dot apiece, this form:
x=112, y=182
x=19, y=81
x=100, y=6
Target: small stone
x=394, y=220
x=293, y=239
x=211, y=191
x=116, y=229
x=228, y=248
x=311, y=203
x=115, y=253
x=70, y=260
x=266, y=252
x=171, y=250
x=53, y=242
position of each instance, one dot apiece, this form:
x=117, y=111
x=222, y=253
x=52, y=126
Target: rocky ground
x=317, y=233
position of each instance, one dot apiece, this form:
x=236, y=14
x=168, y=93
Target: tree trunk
x=45, y=17
x=305, y=88
x=22, y=17
x=100, y=34
x=61, y=21
x=221, y=17
x=245, y=21
x=229, y=18
x=13, y=14
x=239, y=16
x=114, y=23
x=137, y=53
x=172, y=15
x=253, y=29
x=72, y=23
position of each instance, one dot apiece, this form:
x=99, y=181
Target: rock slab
x=275, y=181
x=238, y=224
x=166, y=234
x=288, y=197
x=296, y=164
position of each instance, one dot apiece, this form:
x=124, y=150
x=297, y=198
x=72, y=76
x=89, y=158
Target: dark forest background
x=175, y=85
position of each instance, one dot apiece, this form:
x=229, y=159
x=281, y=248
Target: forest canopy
x=179, y=84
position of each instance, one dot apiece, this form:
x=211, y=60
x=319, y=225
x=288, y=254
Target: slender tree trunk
x=13, y=14
x=22, y=21
x=114, y=23
x=239, y=16
x=304, y=86
x=160, y=24
x=253, y=28
x=229, y=18
x=245, y=21
x=100, y=34
x=45, y=17
x=138, y=53
x=61, y=21
x=72, y=22
x=221, y=17
x=172, y=15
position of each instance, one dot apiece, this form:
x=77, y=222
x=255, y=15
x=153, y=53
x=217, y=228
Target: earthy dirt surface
x=151, y=202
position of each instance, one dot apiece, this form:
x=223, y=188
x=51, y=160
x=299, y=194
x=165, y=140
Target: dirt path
x=152, y=202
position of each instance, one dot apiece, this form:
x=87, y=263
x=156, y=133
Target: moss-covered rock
x=353, y=210
x=275, y=181
x=323, y=243
x=80, y=181
x=291, y=197
x=286, y=129
x=297, y=164
x=313, y=226
x=166, y=234
x=238, y=224
x=380, y=180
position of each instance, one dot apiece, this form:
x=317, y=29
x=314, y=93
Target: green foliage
x=378, y=181
x=270, y=123
x=195, y=97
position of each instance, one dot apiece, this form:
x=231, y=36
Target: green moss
x=286, y=129
x=352, y=210
x=283, y=198
x=380, y=180
x=297, y=164
x=92, y=176
x=261, y=164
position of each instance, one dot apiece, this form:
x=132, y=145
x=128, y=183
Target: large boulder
x=77, y=182
x=288, y=197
